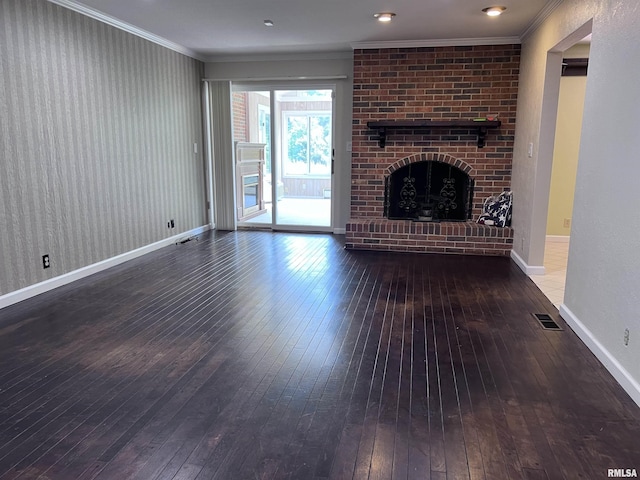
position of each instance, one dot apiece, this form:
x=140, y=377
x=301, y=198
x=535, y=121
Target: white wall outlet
x=530, y=150
x=349, y=146
x=626, y=337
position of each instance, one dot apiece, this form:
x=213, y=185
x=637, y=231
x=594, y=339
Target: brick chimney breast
x=432, y=83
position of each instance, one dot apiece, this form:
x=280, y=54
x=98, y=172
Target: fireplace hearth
x=426, y=203
x=428, y=191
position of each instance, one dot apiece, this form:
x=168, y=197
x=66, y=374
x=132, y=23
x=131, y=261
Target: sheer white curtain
x=222, y=153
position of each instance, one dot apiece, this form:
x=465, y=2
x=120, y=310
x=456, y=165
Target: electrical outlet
x=45, y=261
x=567, y=223
x=626, y=337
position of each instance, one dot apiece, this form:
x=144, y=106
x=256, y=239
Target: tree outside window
x=308, y=143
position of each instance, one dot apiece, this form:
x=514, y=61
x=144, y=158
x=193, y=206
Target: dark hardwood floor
x=252, y=355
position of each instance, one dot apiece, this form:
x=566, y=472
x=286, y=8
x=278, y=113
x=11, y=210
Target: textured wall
x=531, y=177
x=97, y=128
x=602, y=291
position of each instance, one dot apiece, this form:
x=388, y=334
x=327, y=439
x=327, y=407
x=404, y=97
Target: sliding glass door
x=284, y=146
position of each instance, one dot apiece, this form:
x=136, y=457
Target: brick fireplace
x=441, y=84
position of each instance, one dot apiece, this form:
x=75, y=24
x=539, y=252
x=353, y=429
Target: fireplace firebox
x=428, y=191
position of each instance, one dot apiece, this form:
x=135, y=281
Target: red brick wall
x=240, y=117
x=432, y=83
x=436, y=83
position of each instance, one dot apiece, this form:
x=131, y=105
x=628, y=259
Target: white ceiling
x=210, y=29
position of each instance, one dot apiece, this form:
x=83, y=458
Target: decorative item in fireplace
x=428, y=191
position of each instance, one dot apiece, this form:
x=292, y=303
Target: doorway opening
x=571, y=86
x=284, y=157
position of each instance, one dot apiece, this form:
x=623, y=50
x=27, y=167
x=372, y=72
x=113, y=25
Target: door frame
x=272, y=88
x=549, y=115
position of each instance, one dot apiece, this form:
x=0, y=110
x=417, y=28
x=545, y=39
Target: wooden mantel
x=383, y=126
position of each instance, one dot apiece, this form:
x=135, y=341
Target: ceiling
x=217, y=29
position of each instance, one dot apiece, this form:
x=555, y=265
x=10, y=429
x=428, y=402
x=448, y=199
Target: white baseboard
x=42, y=287
x=622, y=376
x=528, y=269
x=339, y=231
x=558, y=238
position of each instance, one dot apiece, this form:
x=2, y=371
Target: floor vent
x=546, y=321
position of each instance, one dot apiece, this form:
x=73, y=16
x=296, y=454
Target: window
x=264, y=134
x=307, y=141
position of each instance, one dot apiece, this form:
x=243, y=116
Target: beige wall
x=97, y=128
x=566, y=147
x=602, y=295
x=565, y=155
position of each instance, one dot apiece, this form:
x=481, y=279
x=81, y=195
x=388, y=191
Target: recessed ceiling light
x=268, y=23
x=384, y=17
x=494, y=11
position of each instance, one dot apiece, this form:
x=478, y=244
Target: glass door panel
x=303, y=171
x=284, y=145
x=252, y=136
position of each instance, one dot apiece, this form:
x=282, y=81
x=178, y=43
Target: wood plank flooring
x=252, y=355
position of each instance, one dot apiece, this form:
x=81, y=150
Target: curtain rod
x=276, y=79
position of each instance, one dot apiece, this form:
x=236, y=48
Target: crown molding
x=449, y=42
x=546, y=11
x=127, y=27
